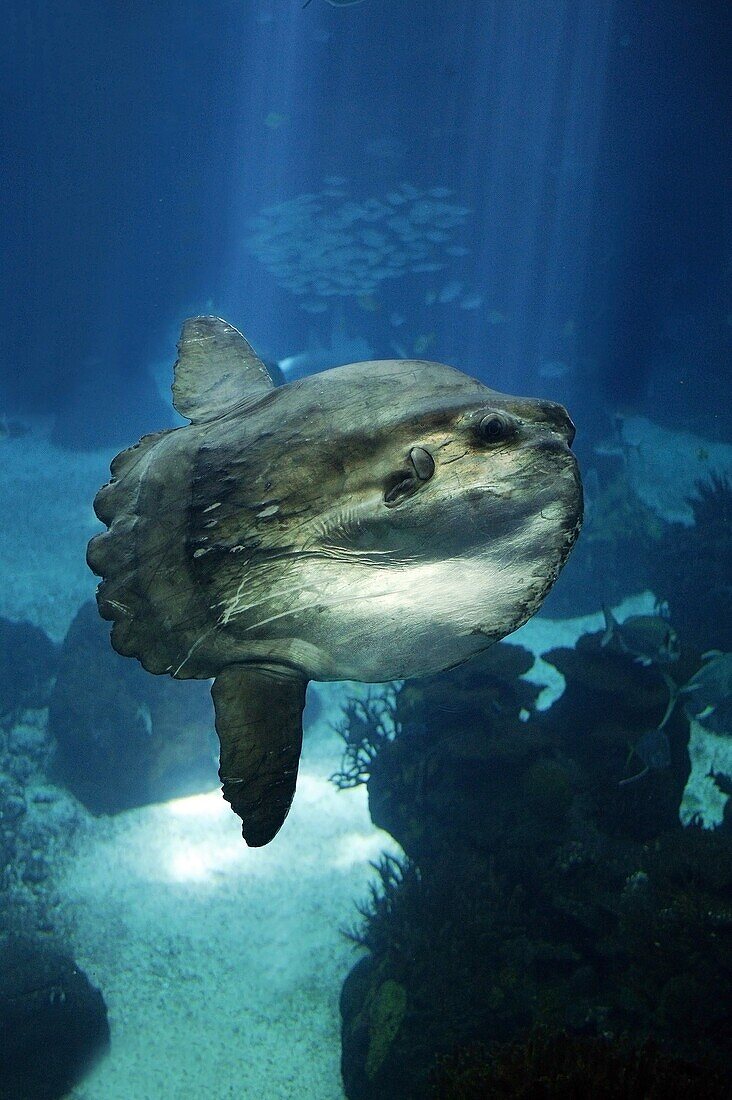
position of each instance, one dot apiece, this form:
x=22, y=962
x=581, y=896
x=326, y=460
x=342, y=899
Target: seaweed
x=558, y=1066
x=387, y=900
x=366, y=726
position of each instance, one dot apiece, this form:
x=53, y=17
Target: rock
x=538, y=888
x=12, y=808
x=53, y=1022
x=124, y=738
x=36, y=870
x=27, y=740
x=663, y=466
x=27, y=664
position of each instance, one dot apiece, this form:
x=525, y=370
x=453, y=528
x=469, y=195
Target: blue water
x=535, y=192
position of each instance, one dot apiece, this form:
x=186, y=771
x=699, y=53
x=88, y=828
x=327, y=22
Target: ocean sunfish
x=373, y=522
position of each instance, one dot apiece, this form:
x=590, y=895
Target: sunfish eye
x=495, y=427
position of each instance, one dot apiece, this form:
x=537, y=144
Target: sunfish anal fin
x=216, y=371
x=259, y=723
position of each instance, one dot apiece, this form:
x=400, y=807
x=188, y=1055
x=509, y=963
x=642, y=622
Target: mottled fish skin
x=303, y=525
x=377, y=521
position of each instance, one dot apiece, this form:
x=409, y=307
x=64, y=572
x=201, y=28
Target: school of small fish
x=324, y=245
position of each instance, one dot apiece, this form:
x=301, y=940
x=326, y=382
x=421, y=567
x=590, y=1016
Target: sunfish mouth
x=556, y=417
x=552, y=445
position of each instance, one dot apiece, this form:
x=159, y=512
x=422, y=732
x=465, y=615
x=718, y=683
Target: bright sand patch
x=221, y=965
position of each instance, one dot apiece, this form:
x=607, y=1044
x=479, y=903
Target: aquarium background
x=537, y=193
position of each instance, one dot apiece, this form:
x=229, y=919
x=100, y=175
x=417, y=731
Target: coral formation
x=691, y=567
x=556, y=1066
x=365, y=729
x=537, y=888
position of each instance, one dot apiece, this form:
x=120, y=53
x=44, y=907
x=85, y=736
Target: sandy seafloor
x=221, y=966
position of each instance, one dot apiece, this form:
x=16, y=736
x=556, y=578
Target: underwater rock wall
x=691, y=567
x=664, y=466
x=658, y=515
x=124, y=738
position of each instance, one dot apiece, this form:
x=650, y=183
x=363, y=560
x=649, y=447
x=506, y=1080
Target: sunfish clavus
x=376, y=521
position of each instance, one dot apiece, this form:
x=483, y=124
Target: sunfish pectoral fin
x=259, y=723
x=217, y=370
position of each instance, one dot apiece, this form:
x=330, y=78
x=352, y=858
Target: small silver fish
x=450, y=292
x=338, y=3
x=649, y=638
x=554, y=368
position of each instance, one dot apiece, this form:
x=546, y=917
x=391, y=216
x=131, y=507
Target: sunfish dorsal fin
x=259, y=723
x=216, y=371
